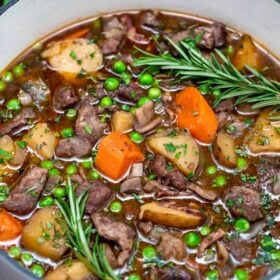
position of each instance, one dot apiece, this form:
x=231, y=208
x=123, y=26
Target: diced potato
x=72, y=55
x=7, y=144
x=180, y=148
x=224, y=150
x=246, y=54
x=19, y=156
x=44, y=233
x=74, y=270
x=168, y=216
x=264, y=136
x=122, y=121
x=41, y=140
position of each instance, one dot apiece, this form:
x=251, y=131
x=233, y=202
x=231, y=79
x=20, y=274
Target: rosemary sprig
x=79, y=235
x=216, y=72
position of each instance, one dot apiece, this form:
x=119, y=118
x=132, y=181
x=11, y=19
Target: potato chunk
x=75, y=270
x=7, y=144
x=178, y=147
x=122, y=121
x=224, y=149
x=264, y=136
x=72, y=55
x=44, y=233
x=166, y=216
x=246, y=54
x=41, y=140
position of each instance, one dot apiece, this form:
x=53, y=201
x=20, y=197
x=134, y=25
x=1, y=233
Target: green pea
x=125, y=107
x=3, y=197
x=93, y=175
x=192, y=239
x=212, y=275
x=38, y=270
x=204, y=89
x=27, y=259
x=54, y=172
x=59, y=192
x=8, y=76
x=116, y=207
x=87, y=164
x=3, y=85
x=132, y=110
x=71, y=113
x=241, y=225
x=14, y=252
x=71, y=169
x=126, y=77
x=48, y=164
x=241, y=163
x=230, y=50
x=119, y=67
x=46, y=201
x=19, y=70
x=211, y=169
x=106, y=101
x=216, y=93
x=205, y=230
x=220, y=181
x=154, y=93
x=149, y=252
x=267, y=243
x=67, y=132
x=241, y=274
x=111, y=84
x=133, y=276
x=13, y=104
x=136, y=136
x=143, y=100
x=146, y=79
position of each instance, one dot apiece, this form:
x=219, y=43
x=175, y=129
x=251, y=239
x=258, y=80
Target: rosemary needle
x=216, y=72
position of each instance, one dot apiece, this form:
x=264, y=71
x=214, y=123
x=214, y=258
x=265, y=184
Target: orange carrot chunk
x=194, y=113
x=77, y=34
x=10, y=227
x=116, y=153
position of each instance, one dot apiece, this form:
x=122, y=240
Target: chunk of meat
x=241, y=250
x=99, y=195
x=23, y=198
x=204, y=193
x=132, y=185
x=73, y=147
x=172, y=273
x=144, y=114
x=136, y=170
x=150, y=19
x=114, y=31
x=210, y=239
x=222, y=253
x=116, y=231
x=145, y=227
x=136, y=37
x=244, y=202
x=38, y=90
x=171, y=247
x=18, y=122
x=151, y=125
x=88, y=124
x=131, y=92
x=223, y=111
x=52, y=182
x=64, y=97
x=173, y=178
x=71, y=55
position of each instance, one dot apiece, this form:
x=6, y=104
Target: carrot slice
x=116, y=153
x=194, y=113
x=77, y=34
x=10, y=227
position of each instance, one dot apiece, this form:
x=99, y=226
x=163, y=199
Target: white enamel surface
x=29, y=20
